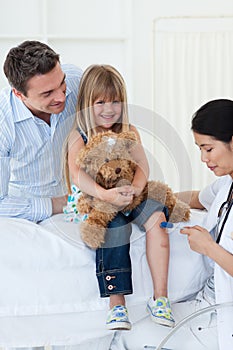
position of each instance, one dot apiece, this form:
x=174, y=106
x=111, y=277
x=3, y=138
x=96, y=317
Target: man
x=36, y=115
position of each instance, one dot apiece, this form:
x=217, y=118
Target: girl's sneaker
x=118, y=318
x=160, y=311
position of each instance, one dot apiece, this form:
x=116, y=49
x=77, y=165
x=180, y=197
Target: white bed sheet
x=49, y=292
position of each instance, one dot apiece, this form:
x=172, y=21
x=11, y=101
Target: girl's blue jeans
x=113, y=264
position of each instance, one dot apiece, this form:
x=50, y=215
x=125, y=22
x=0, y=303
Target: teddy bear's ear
x=84, y=159
x=129, y=139
x=128, y=135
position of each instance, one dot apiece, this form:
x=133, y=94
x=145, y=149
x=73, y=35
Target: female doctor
x=212, y=127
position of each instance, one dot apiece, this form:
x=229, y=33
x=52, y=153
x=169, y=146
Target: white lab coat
x=212, y=197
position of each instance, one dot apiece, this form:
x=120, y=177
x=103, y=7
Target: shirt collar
x=20, y=111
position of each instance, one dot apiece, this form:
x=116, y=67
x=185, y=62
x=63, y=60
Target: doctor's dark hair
x=27, y=60
x=215, y=118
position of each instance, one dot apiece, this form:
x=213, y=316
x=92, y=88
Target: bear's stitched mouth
x=123, y=182
x=112, y=182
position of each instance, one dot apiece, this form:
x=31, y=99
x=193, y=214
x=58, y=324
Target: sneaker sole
x=119, y=326
x=161, y=321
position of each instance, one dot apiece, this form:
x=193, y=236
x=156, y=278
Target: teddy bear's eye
x=106, y=160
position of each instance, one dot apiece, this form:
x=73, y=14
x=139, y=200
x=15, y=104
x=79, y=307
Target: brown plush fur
x=106, y=158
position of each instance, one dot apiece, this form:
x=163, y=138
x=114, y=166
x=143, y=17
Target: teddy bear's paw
x=180, y=212
x=92, y=235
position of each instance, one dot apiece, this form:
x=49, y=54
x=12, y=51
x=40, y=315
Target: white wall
x=144, y=90
x=122, y=33
x=144, y=15
x=83, y=32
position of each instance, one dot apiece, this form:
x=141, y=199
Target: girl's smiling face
x=217, y=155
x=106, y=112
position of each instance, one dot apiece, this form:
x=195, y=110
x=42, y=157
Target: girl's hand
x=136, y=190
x=119, y=196
x=198, y=237
x=131, y=190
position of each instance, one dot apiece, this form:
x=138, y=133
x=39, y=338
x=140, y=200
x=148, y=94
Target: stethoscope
x=227, y=207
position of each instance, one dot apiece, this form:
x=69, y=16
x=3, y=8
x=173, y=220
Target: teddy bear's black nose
x=118, y=170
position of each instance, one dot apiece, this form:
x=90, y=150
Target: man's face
x=46, y=93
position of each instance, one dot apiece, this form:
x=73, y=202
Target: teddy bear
x=107, y=159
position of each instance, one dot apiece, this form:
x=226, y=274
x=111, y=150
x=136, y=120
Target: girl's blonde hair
x=105, y=82
x=98, y=81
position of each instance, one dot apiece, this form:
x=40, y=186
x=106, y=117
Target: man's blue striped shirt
x=31, y=153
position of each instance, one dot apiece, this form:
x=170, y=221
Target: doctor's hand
x=199, y=238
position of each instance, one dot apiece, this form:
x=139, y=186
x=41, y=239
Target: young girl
x=102, y=106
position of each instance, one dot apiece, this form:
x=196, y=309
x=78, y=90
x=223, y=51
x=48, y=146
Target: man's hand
x=58, y=203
